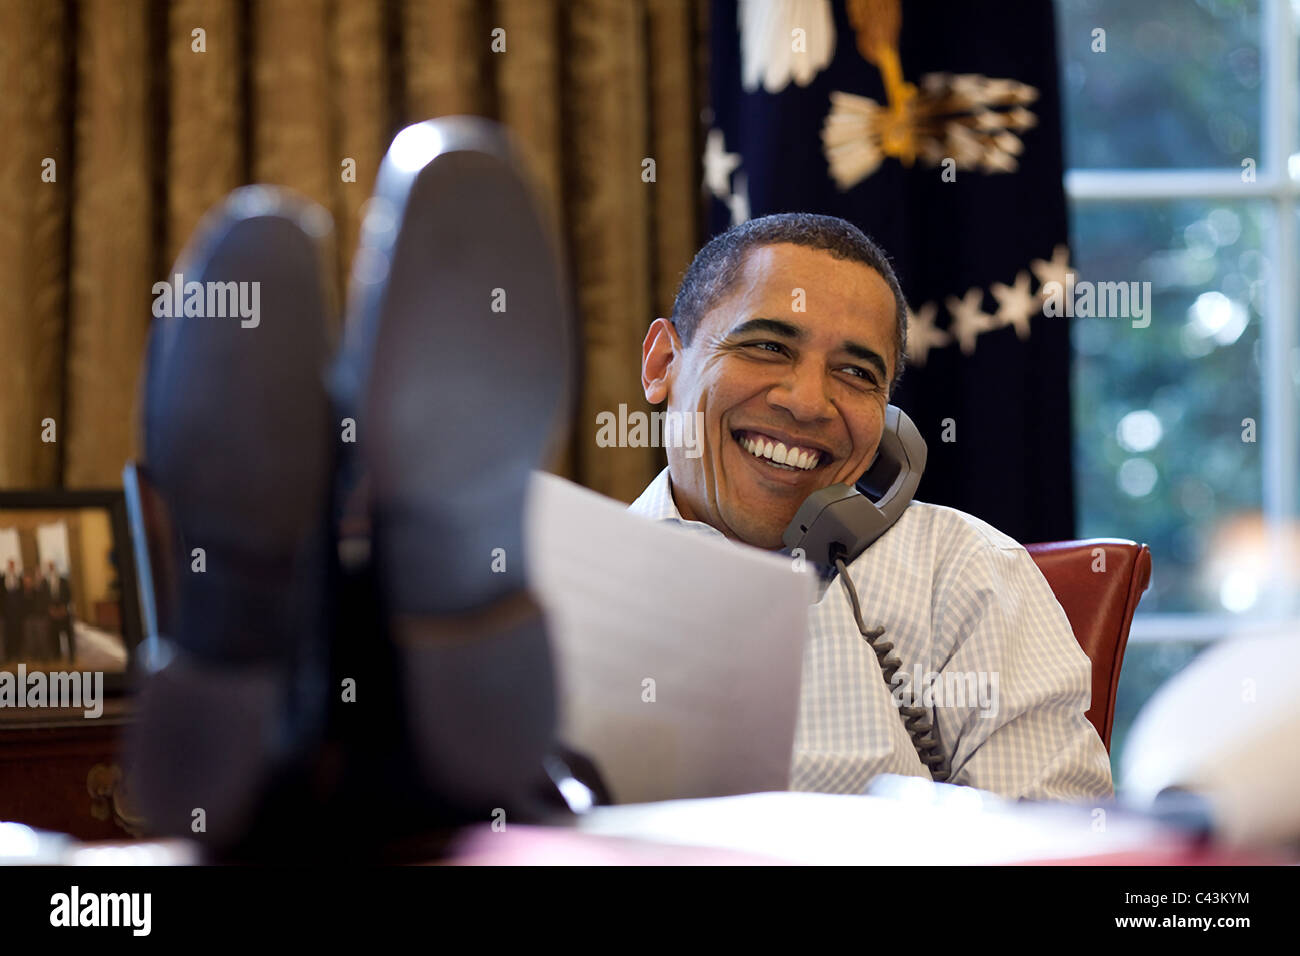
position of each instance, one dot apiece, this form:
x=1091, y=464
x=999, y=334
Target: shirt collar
x=657, y=504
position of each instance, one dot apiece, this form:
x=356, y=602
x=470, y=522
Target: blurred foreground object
x=1225, y=728
x=332, y=633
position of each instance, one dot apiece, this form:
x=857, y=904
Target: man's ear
x=659, y=353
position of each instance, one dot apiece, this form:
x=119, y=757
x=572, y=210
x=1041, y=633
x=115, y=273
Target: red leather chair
x=1098, y=582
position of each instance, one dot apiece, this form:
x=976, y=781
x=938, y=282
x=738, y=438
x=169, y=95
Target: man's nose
x=803, y=393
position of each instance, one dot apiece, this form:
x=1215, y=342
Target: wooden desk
x=61, y=771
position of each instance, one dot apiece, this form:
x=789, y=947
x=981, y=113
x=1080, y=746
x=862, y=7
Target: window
x=1180, y=124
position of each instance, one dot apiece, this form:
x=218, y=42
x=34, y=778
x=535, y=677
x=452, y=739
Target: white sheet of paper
x=718, y=628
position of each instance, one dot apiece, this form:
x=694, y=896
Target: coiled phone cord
x=914, y=718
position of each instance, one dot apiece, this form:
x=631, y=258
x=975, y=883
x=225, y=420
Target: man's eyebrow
x=771, y=326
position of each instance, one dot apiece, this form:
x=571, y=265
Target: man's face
x=799, y=355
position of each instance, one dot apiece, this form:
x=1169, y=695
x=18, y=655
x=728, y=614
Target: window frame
x=1277, y=183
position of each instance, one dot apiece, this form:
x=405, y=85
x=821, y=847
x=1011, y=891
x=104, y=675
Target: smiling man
x=788, y=335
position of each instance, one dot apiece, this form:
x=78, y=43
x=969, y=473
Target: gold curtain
x=121, y=132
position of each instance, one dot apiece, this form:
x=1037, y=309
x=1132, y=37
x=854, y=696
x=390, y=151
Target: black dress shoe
x=238, y=441
x=457, y=370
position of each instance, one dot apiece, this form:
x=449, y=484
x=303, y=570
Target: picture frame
x=76, y=607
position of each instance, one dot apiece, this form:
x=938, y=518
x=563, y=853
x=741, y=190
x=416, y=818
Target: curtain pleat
x=113, y=240
x=361, y=115
x=149, y=134
x=528, y=98
x=606, y=126
x=673, y=144
x=205, y=132
x=292, y=140
x=33, y=227
x=445, y=46
x=528, y=89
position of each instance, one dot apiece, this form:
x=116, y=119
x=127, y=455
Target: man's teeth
x=797, y=458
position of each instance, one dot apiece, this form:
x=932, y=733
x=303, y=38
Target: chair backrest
x=1098, y=582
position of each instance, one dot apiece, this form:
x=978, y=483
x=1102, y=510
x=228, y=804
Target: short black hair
x=716, y=267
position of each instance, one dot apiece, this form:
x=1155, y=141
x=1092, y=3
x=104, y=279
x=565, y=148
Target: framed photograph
x=68, y=597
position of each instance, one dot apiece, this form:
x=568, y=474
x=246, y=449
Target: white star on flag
x=738, y=201
x=968, y=318
x=1016, y=304
x=718, y=165
x=922, y=335
x=1053, y=271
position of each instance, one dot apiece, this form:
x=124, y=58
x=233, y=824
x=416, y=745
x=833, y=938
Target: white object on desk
x=920, y=822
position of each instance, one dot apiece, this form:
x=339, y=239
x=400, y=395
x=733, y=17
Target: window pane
x=1161, y=451
x=1146, y=667
x=1178, y=84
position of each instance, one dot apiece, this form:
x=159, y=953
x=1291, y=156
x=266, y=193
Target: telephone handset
x=840, y=521
x=836, y=524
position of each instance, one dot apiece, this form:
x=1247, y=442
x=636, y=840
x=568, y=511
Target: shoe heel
x=480, y=695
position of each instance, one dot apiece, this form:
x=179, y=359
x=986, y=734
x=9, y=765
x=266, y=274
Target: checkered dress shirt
x=956, y=598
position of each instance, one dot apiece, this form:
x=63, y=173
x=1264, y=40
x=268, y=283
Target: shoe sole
x=464, y=325
x=238, y=444
x=460, y=360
